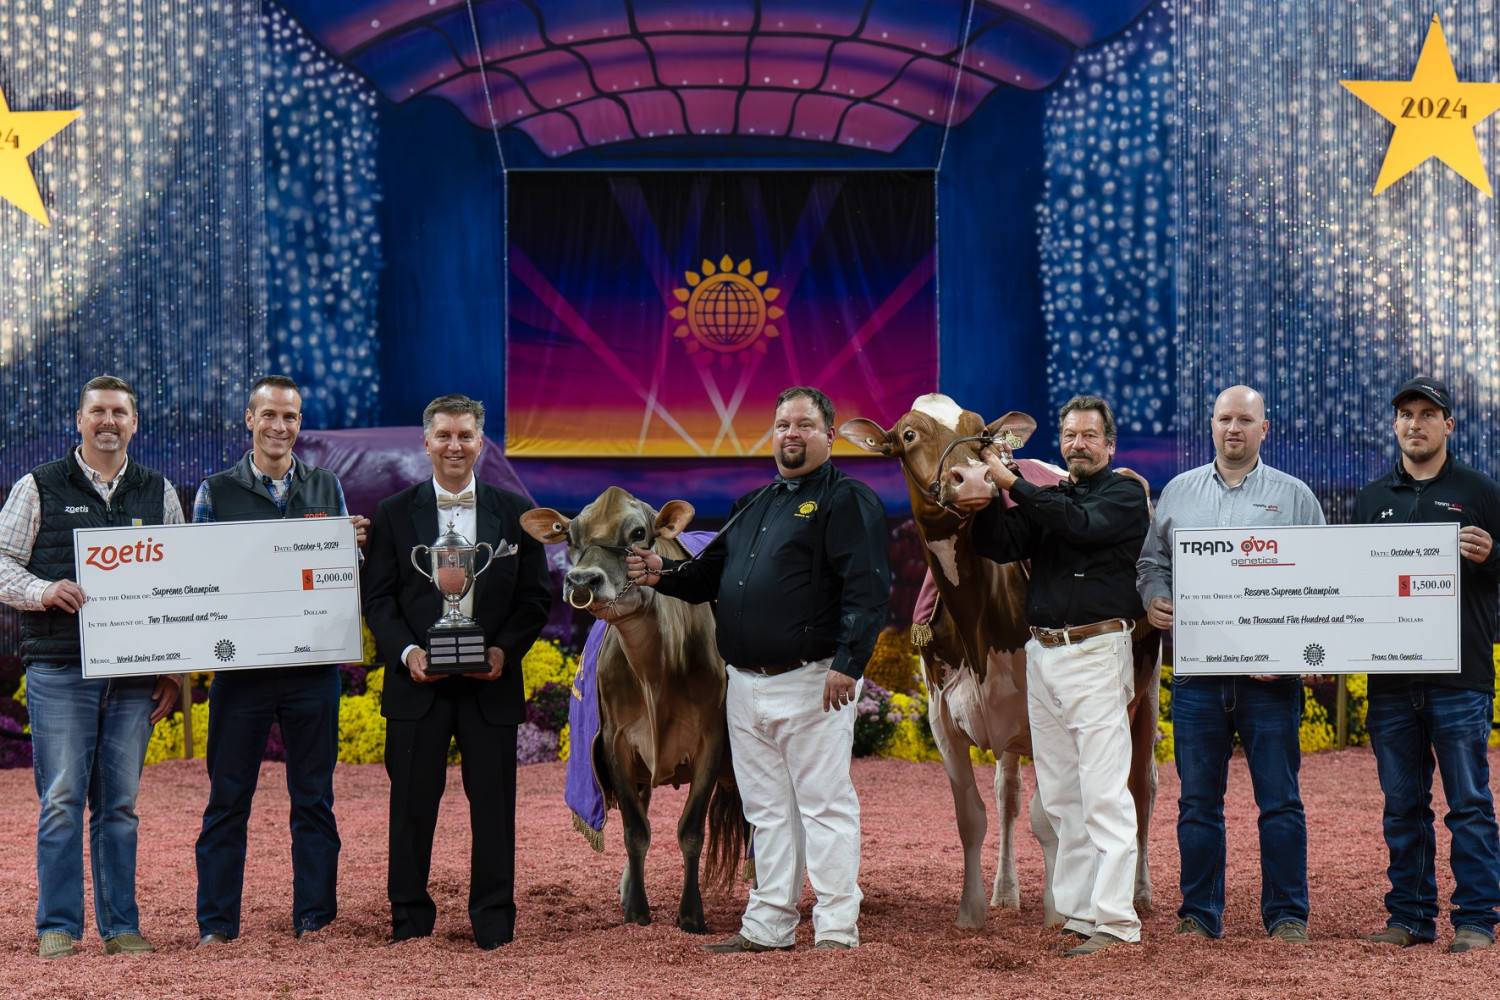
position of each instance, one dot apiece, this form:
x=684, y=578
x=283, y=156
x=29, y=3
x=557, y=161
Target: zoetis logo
x=108, y=557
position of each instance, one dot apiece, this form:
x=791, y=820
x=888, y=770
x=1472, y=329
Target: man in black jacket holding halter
x=802, y=579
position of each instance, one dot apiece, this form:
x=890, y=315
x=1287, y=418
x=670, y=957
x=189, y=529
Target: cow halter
x=625, y=550
x=934, y=489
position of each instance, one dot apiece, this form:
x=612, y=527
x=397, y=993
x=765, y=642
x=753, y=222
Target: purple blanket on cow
x=582, y=789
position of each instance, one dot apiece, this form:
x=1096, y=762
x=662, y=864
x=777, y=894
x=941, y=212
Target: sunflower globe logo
x=726, y=309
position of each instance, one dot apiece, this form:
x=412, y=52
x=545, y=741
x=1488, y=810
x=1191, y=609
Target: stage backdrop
x=655, y=315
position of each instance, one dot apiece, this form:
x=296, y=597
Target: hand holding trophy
x=455, y=642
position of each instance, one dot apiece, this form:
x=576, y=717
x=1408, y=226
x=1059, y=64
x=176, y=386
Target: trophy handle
x=414, y=551
x=489, y=557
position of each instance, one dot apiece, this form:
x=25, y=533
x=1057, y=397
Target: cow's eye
x=909, y=436
x=638, y=535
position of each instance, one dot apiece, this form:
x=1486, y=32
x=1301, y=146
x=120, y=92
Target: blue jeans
x=1408, y=728
x=88, y=739
x=1206, y=713
x=241, y=707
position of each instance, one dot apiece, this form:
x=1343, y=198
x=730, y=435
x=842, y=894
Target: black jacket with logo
x=1456, y=494
x=804, y=574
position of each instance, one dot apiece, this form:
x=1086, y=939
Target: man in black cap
x=1416, y=718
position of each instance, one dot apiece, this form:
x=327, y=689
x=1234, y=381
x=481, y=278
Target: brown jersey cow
x=975, y=665
x=661, y=685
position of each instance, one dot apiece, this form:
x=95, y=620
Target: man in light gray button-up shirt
x=1235, y=490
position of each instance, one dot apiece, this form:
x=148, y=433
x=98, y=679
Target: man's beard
x=1420, y=451
x=796, y=461
x=1084, y=465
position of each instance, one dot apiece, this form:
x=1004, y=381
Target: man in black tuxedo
x=511, y=601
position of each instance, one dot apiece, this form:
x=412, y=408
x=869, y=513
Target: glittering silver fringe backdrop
x=154, y=266
x=1291, y=275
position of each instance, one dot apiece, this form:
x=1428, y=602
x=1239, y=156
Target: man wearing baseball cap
x=1415, y=719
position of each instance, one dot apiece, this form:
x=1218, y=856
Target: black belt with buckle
x=784, y=668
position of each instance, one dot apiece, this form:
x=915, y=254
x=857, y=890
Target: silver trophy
x=455, y=642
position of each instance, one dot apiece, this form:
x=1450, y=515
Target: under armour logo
x=1388, y=512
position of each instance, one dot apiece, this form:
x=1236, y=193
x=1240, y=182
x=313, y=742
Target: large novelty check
x=194, y=597
x=1362, y=598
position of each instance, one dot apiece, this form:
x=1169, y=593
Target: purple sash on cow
x=582, y=790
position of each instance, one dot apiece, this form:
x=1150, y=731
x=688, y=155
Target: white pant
x=1077, y=697
x=791, y=761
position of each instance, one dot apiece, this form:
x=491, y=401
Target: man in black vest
x=88, y=735
x=510, y=601
x=270, y=482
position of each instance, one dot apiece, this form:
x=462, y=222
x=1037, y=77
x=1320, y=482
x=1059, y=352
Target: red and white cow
x=975, y=665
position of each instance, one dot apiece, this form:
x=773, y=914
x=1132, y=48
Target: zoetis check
x=202, y=597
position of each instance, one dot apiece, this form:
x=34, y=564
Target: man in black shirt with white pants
x=802, y=579
x=1082, y=537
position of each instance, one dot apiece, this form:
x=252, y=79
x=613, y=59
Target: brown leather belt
x=1069, y=634
x=773, y=671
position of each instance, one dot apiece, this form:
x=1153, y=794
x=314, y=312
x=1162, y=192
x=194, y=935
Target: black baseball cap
x=1427, y=387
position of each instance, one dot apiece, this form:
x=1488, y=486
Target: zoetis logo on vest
x=108, y=557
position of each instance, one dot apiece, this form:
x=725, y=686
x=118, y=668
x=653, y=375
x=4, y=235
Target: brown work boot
x=1398, y=936
x=55, y=944
x=740, y=943
x=1100, y=941
x=127, y=944
x=1468, y=939
x=1292, y=931
x=1187, y=925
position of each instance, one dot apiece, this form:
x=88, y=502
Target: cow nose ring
x=581, y=597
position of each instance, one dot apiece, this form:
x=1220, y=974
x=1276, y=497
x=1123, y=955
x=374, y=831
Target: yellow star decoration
x=21, y=133
x=1433, y=113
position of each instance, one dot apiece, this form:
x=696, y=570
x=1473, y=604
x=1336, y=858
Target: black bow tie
x=783, y=483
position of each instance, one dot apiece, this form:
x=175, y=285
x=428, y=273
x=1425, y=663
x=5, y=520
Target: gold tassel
x=921, y=632
x=594, y=837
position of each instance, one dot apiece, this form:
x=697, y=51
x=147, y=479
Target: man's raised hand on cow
x=1159, y=613
x=642, y=567
x=1001, y=475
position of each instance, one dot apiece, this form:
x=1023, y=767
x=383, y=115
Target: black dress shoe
x=212, y=939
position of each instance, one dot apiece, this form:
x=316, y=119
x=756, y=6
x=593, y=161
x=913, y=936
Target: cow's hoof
x=692, y=924
x=1143, y=901
x=643, y=918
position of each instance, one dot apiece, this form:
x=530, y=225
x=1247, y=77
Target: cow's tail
x=726, y=837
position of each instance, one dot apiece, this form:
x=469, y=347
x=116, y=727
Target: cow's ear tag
x=557, y=527
x=1013, y=440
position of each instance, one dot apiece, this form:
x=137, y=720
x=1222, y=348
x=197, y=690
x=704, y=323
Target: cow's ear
x=545, y=525
x=1014, y=428
x=867, y=435
x=674, y=517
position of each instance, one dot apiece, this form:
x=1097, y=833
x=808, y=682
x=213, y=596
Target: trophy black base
x=456, y=651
